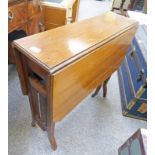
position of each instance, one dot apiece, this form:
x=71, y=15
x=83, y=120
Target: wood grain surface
x=54, y=16
x=19, y=14
x=74, y=82
x=61, y=44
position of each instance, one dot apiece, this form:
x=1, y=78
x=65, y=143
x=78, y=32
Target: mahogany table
x=60, y=67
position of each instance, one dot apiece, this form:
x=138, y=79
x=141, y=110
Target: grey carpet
x=95, y=127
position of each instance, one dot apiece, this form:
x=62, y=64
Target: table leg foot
x=33, y=124
x=105, y=87
x=52, y=137
x=53, y=144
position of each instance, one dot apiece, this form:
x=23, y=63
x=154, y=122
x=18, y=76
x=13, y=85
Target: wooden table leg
x=30, y=95
x=51, y=137
x=50, y=123
x=96, y=91
x=33, y=123
x=104, y=86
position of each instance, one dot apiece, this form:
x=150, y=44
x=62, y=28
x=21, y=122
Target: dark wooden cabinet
x=35, y=17
x=17, y=16
x=23, y=15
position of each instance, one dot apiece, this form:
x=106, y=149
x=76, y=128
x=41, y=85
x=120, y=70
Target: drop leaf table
x=58, y=68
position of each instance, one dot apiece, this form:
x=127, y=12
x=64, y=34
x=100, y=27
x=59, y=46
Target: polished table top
x=57, y=46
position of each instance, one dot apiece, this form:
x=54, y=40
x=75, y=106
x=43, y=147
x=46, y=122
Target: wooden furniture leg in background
x=96, y=91
x=145, y=6
x=104, y=86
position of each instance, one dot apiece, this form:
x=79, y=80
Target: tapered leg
x=96, y=91
x=105, y=87
x=33, y=123
x=104, y=90
x=51, y=137
x=50, y=123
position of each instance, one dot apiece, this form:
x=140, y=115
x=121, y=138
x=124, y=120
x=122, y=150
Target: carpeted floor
x=95, y=127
